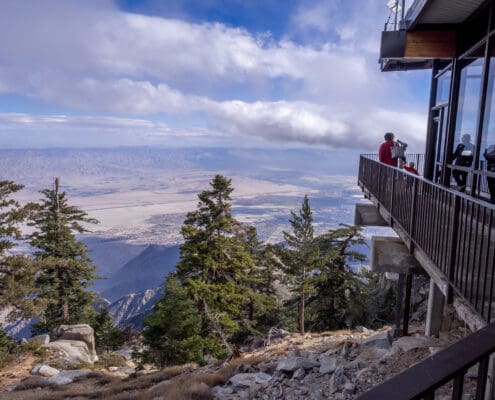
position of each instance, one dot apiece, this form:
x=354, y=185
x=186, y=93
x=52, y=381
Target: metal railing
x=422, y=380
x=455, y=231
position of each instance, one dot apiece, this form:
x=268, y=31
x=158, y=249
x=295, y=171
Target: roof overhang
x=440, y=12
x=429, y=33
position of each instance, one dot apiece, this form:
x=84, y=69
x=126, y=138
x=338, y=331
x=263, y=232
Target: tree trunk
x=301, y=313
x=65, y=310
x=216, y=326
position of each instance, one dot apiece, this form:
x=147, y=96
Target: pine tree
x=214, y=263
x=261, y=310
x=66, y=268
x=106, y=335
x=341, y=294
x=17, y=272
x=301, y=257
x=171, y=333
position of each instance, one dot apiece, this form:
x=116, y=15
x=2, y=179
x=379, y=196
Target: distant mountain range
x=147, y=270
x=130, y=310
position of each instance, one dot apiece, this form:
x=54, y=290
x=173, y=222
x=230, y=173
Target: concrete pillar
x=434, y=315
x=390, y=254
x=366, y=214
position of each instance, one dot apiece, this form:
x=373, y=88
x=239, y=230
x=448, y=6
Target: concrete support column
x=434, y=315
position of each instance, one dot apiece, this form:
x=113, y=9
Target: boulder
x=262, y=378
x=242, y=381
x=329, y=364
x=380, y=340
x=40, y=339
x=292, y=363
x=71, y=352
x=44, y=370
x=337, y=380
x=65, y=377
x=81, y=332
x=248, y=380
x=408, y=343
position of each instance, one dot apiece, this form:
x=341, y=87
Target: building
x=445, y=219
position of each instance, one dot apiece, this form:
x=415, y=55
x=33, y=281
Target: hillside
x=329, y=365
x=131, y=309
x=147, y=270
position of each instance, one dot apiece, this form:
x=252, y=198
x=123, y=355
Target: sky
x=281, y=73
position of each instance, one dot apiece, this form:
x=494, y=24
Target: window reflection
x=487, y=151
x=467, y=114
x=443, y=87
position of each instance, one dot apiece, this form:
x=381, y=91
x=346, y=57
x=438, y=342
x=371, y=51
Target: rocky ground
x=332, y=365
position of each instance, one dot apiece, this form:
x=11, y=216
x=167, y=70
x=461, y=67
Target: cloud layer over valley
x=94, y=65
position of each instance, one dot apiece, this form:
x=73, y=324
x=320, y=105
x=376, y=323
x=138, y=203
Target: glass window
x=467, y=116
x=443, y=87
x=487, y=151
x=488, y=137
x=468, y=105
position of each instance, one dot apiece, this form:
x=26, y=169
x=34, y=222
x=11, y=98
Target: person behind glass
x=489, y=155
x=463, y=157
x=385, y=151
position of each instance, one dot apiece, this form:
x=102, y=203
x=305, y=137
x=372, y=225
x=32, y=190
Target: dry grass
x=177, y=383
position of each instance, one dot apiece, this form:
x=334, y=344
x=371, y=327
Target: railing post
x=412, y=223
x=392, y=193
x=453, y=245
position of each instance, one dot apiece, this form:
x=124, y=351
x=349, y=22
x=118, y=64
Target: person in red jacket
x=410, y=168
x=385, y=151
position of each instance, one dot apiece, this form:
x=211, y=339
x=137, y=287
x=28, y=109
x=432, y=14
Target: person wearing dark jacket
x=385, y=151
x=489, y=155
x=463, y=157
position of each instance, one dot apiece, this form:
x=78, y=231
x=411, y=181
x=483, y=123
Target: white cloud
x=96, y=58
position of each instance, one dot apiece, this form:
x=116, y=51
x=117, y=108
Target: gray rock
x=80, y=332
x=262, y=378
x=364, y=330
x=66, y=377
x=299, y=373
x=331, y=352
x=44, y=370
x=248, y=380
x=337, y=380
x=40, y=339
x=328, y=364
x=380, y=340
x=345, y=351
x=349, y=388
x=222, y=390
x=292, y=363
x=408, y=343
x=268, y=367
x=72, y=352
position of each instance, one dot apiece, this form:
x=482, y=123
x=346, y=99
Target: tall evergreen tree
x=301, y=257
x=341, y=295
x=17, y=272
x=262, y=310
x=171, y=333
x=67, y=270
x=214, y=263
